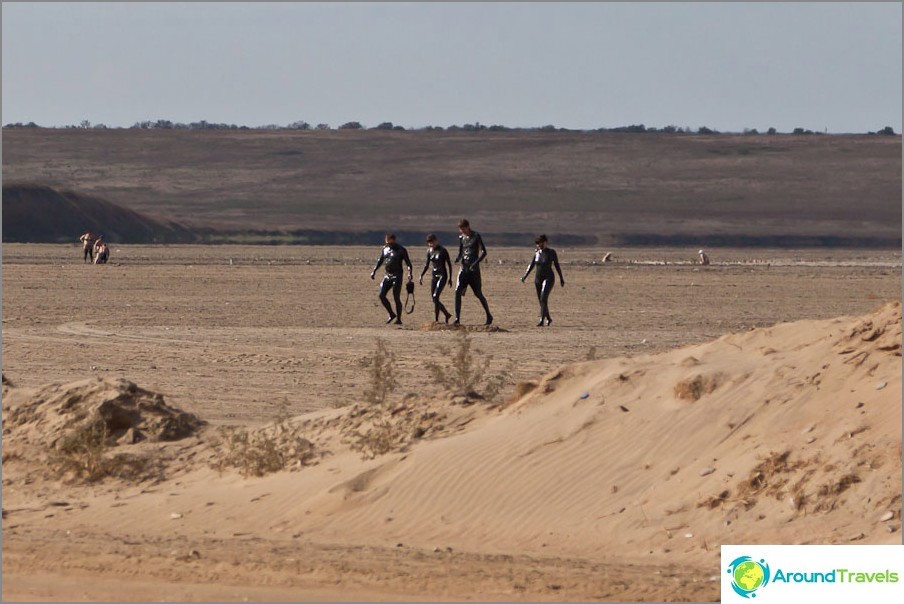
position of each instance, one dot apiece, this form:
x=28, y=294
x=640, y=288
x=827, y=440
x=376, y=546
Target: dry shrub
x=82, y=455
x=828, y=492
x=836, y=487
x=382, y=375
x=469, y=372
x=524, y=388
x=381, y=437
x=766, y=477
x=273, y=448
x=714, y=501
x=376, y=430
x=696, y=387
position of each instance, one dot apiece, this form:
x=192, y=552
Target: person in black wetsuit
x=545, y=258
x=438, y=257
x=471, y=251
x=392, y=256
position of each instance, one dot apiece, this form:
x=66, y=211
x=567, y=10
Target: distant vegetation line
x=475, y=127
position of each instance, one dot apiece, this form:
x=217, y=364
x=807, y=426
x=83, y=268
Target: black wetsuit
x=471, y=251
x=544, y=259
x=438, y=258
x=392, y=257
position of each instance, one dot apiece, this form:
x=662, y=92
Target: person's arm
x=483, y=250
x=407, y=261
x=448, y=262
x=379, y=264
x=530, y=267
x=426, y=266
x=555, y=262
x=461, y=249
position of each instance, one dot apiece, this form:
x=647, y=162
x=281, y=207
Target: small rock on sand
x=707, y=471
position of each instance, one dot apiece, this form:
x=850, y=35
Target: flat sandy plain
x=295, y=324
x=231, y=333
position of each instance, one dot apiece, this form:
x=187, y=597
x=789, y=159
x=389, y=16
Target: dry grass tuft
x=469, y=372
x=693, y=389
x=276, y=447
x=83, y=456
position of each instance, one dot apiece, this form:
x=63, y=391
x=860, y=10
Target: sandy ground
x=608, y=479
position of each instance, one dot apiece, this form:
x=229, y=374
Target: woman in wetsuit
x=471, y=251
x=438, y=257
x=392, y=257
x=544, y=259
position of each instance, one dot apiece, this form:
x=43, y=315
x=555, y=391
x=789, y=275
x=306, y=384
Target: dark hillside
x=40, y=214
x=601, y=188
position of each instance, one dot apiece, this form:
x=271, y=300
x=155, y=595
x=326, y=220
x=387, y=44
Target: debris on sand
x=117, y=406
x=77, y=430
x=436, y=326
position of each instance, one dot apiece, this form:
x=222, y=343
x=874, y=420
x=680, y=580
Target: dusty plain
x=234, y=333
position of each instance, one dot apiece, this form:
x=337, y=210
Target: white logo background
x=818, y=558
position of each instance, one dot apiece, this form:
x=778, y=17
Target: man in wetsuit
x=544, y=259
x=471, y=251
x=392, y=256
x=438, y=257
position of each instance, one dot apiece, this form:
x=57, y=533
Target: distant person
x=545, y=258
x=88, y=240
x=392, y=257
x=471, y=251
x=101, y=251
x=702, y=258
x=438, y=258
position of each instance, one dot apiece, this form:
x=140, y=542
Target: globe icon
x=748, y=575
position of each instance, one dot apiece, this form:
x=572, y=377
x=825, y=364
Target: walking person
x=545, y=258
x=471, y=251
x=392, y=257
x=438, y=258
x=88, y=240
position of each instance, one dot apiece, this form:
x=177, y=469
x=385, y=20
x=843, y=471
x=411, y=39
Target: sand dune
x=789, y=434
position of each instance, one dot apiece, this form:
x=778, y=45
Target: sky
x=832, y=67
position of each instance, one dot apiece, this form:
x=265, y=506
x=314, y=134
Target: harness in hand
x=409, y=294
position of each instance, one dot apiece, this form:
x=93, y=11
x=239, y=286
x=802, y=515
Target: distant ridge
x=35, y=213
x=40, y=214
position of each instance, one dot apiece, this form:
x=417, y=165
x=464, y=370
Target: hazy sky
x=728, y=66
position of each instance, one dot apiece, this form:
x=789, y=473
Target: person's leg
x=397, y=296
x=460, y=288
x=437, y=285
x=434, y=281
x=477, y=288
x=385, y=285
x=539, y=286
x=546, y=289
